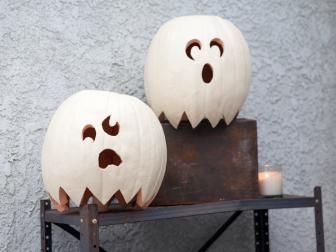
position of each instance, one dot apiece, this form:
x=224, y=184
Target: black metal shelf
x=89, y=219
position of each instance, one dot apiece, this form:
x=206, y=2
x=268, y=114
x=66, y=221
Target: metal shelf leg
x=261, y=230
x=89, y=228
x=319, y=220
x=46, y=241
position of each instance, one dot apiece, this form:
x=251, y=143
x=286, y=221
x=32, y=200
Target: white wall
x=51, y=49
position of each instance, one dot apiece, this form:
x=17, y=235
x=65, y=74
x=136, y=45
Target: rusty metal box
x=210, y=164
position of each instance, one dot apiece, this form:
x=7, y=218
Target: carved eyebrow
x=111, y=130
x=190, y=45
x=219, y=43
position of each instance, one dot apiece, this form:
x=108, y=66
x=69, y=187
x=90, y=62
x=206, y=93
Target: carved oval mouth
x=207, y=73
x=108, y=157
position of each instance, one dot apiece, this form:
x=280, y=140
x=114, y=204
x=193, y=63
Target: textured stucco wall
x=51, y=49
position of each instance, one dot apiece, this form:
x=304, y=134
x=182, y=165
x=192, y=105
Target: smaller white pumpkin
x=198, y=67
x=105, y=145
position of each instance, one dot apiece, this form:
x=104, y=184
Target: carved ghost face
x=103, y=144
x=198, y=66
x=107, y=156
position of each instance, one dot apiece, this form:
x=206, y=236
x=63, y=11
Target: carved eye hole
x=111, y=130
x=89, y=131
x=219, y=43
x=190, y=45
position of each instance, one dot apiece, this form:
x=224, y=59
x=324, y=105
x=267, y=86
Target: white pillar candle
x=270, y=183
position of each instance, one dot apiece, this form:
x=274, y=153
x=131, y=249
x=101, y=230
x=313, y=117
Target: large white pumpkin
x=103, y=144
x=198, y=66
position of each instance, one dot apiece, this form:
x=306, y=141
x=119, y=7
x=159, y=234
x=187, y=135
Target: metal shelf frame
x=88, y=219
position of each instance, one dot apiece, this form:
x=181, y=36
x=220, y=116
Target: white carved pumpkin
x=200, y=66
x=103, y=144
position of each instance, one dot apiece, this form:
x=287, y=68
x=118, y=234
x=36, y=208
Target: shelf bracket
x=220, y=231
x=73, y=232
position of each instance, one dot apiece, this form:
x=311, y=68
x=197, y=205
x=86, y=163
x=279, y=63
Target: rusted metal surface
x=210, y=164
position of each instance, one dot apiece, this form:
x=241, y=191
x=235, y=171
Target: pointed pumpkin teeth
x=214, y=122
x=174, y=120
x=106, y=197
x=139, y=200
x=228, y=118
x=127, y=195
x=96, y=192
x=194, y=121
x=55, y=194
x=123, y=199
